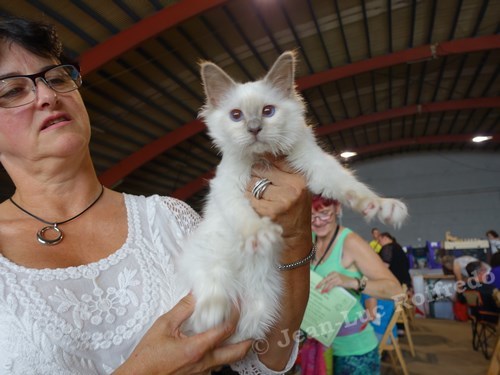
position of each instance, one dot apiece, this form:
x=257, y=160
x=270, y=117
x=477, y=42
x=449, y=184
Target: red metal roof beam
x=451, y=105
x=193, y=187
x=150, y=151
x=143, y=30
x=416, y=54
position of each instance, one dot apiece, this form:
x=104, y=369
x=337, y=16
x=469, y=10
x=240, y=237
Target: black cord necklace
x=40, y=235
x=328, y=247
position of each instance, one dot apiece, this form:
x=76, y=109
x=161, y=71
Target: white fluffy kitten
x=232, y=257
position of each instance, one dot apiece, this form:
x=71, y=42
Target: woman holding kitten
x=88, y=281
x=344, y=259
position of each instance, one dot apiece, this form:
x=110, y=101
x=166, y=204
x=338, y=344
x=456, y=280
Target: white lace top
x=88, y=319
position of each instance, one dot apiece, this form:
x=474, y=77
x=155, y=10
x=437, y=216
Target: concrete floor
x=441, y=347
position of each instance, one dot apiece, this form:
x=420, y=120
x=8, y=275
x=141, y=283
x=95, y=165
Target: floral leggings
x=365, y=364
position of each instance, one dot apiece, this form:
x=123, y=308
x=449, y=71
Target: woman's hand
x=165, y=350
x=287, y=202
x=334, y=279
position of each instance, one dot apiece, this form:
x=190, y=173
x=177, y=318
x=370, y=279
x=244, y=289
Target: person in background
x=479, y=281
x=494, y=241
x=457, y=266
x=344, y=259
x=395, y=258
x=374, y=243
x=88, y=280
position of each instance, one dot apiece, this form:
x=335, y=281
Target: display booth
x=434, y=288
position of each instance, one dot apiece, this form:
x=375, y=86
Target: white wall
x=459, y=192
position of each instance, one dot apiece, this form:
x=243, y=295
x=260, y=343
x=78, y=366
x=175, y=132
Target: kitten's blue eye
x=268, y=111
x=236, y=115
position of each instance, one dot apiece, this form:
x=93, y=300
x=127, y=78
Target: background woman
x=344, y=259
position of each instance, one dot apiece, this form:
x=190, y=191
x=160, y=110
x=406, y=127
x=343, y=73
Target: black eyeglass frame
x=33, y=77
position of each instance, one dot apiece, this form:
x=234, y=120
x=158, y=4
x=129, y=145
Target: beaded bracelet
x=299, y=263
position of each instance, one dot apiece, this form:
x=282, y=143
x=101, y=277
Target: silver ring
x=259, y=187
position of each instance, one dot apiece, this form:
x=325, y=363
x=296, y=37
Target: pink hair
x=319, y=202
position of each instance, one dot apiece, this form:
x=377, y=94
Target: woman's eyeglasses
x=16, y=91
x=322, y=216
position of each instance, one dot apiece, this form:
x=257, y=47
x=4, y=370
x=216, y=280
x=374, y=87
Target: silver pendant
x=40, y=235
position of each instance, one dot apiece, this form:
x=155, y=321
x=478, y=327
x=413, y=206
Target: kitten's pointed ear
x=216, y=82
x=282, y=73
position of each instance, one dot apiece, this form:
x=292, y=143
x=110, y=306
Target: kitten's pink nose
x=255, y=130
x=254, y=127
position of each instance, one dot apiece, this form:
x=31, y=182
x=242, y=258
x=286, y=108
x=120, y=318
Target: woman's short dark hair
x=36, y=37
x=473, y=268
x=388, y=235
x=493, y=233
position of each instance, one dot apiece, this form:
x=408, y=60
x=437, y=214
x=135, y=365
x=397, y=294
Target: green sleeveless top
x=358, y=343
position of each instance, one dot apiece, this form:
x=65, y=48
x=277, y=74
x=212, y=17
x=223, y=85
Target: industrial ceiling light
x=348, y=154
x=481, y=138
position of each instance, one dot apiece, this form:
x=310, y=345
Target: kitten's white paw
x=392, y=212
x=263, y=237
x=369, y=207
x=209, y=312
x=389, y=211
